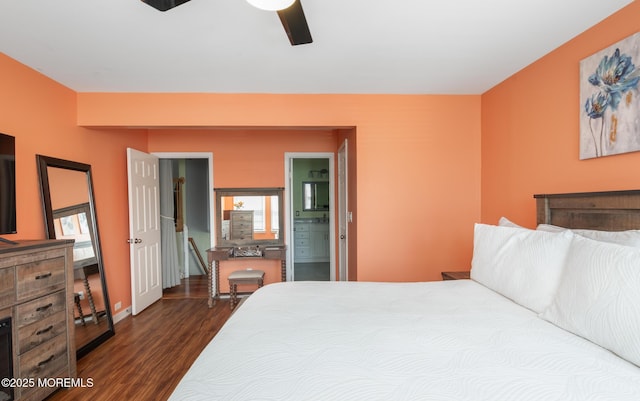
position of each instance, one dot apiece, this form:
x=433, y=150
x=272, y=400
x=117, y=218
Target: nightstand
x=455, y=275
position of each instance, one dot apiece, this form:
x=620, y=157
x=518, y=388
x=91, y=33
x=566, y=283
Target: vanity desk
x=216, y=254
x=249, y=225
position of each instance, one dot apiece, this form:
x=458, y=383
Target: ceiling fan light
x=271, y=5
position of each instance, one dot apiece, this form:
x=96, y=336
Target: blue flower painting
x=610, y=103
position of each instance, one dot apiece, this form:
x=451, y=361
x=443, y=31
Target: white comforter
x=450, y=340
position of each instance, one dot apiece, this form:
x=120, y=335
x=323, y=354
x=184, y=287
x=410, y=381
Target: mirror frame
x=223, y=192
x=44, y=162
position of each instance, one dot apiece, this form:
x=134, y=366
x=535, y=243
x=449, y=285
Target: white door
x=343, y=213
x=144, y=229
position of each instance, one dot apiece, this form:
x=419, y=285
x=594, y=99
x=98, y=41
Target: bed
x=560, y=323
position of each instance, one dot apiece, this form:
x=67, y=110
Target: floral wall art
x=610, y=100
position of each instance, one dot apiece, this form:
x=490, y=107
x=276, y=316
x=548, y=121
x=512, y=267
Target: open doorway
x=311, y=216
x=193, y=189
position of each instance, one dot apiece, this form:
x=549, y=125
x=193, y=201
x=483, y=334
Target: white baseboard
x=121, y=315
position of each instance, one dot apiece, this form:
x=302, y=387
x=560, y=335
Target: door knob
x=342, y=236
x=134, y=241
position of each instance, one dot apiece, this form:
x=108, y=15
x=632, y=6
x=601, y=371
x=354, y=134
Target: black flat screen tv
x=7, y=184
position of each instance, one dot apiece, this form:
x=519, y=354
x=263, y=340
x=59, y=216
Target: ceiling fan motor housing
x=164, y=5
x=292, y=18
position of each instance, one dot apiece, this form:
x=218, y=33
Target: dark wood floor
x=150, y=352
x=195, y=287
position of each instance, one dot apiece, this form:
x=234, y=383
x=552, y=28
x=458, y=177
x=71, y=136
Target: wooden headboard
x=609, y=211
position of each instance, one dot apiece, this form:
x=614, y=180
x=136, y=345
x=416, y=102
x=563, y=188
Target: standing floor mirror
x=69, y=211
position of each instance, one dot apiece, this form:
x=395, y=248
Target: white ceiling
x=227, y=46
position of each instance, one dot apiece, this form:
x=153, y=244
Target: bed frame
x=609, y=211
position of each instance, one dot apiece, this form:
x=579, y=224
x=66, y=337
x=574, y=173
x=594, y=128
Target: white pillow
x=628, y=237
x=504, y=222
x=599, y=296
x=521, y=264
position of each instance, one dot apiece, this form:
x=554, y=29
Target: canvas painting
x=610, y=100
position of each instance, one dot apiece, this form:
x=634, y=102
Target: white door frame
x=343, y=212
x=196, y=155
x=288, y=201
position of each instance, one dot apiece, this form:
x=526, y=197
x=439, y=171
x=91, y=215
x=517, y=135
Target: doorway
x=310, y=216
x=194, y=170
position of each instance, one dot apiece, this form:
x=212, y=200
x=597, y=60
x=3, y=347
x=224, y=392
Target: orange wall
x=245, y=158
x=41, y=114
x=67, y=187
x=419, y=152
x=530, y=130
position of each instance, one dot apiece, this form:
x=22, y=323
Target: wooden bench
x=248, y=276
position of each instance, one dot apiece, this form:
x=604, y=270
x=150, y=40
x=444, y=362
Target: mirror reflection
x=249, y=216
x=70, y=214
x=72, y=223
x=315, y=195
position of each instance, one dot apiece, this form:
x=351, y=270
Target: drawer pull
x=43, y=331
x=46, y=361
x=41, y=276
x=43, y=308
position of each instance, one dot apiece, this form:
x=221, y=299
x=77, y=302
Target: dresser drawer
x=220, y=254
x=302, y=242
x=241, y=229
x=241, y=225
x=241, y=232
x=46, y=360
x=31, y=312
x=274, y=253
x=40, y=277
x=300, y=227
x=301, y=234
x=246, y=217
x=302, y=252
x=41, y=331
x=7, y=288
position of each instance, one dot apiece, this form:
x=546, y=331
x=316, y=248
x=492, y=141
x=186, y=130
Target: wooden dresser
x=241, y=225
x=36, y=292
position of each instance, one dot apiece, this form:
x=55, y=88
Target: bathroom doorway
x=311, y=217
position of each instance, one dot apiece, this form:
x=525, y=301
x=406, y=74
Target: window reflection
x=265, y=215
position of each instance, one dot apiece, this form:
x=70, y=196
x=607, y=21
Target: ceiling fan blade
x=164, y=5
x=295, y=24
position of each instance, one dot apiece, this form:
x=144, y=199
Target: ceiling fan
x=292, y=16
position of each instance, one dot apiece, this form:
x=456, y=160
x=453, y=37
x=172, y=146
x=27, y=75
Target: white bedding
x=449, y=340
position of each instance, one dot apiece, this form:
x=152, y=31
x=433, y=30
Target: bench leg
x=76, y=299
x=233, y=290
